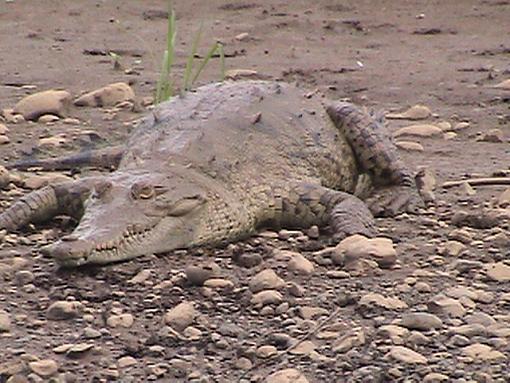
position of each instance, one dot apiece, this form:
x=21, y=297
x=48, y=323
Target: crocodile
x=218, y=164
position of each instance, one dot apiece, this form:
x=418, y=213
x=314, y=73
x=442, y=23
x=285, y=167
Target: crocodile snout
x=70, y=251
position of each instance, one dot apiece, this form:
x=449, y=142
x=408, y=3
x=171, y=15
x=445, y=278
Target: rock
x=449, y=136
x=3, y=129
x=299, y=264
x=421, y=321
x=444, y=305
x=62, y=310
x=421, y=130
x=313, y=232
x=493, y=135
x=416, y=112
x=374, y=299
x=453, y=248
x=304, y=348
x=296, y=290
x=435, y=377
x=122, y=320
x=406, y=355
x=461, y=235
x=126, y=361
x=393, y=331
x=109, y=95
x=238, y=74
x=288, y=375
x=47, y=118
x=23, y=277
x=358, y=246
x=423, y=287
x=242, y=36
x=481, y=219
x=219, y=283
x=71, y=121
x=5, y=321
x=482, y=352
x=55, y=102
x=90, y=333
x=461, y=126
x=248, y=260
x=461, y=291
x=12, y=368
x=181, y=316
x=44, y=367
x=311, y=312
x=426, y=183
x=281, y=340
x=266, y=297
x=504, y=199
x=76, y=350
x=505, y=85
x=499, y=239
x=10, y=117
x=192, y=333
x=140, y=277
x=353, y=338
x=470, y=330
x=445, y=126
x=243, y=364
x=337, y=274
x=499, y=271
x=56, y=141
x=266, y=279
x=5, y=177
x=18, y=378
x=4, y=140
x=459, y=340
x=197, y=275
x=266, y=351
x=409, y=146
x=481, y=318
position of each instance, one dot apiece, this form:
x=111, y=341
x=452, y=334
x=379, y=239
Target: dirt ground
x=388, y=55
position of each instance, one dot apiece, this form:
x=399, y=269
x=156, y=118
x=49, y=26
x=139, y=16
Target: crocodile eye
x=101, y=188
x=142, y=191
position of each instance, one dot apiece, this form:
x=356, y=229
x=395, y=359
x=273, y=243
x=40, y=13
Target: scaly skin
x=215, y=166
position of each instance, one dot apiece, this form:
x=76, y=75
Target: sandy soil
x=386, y=55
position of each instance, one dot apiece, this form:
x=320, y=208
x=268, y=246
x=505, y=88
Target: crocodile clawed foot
x=391, y=201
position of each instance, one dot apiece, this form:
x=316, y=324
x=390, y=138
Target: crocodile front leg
x=377, y=156
x=309, y=204
x=47, y=202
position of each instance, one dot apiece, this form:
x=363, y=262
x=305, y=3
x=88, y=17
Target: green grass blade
x=222, y=62
x=191, y=58
x=162, y=84
x=170, y=39
x=204, y=62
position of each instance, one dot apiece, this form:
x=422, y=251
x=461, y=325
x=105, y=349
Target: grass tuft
x=164, y=85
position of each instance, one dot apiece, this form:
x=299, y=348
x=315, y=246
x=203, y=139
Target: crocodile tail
x=104, y=158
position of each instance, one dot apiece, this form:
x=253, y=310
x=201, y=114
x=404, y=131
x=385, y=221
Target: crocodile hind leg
x=104, y=158
x=310, y=204
x=377, y=155
x=49, y=201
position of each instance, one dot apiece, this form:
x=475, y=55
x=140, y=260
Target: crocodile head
x=128, y=215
